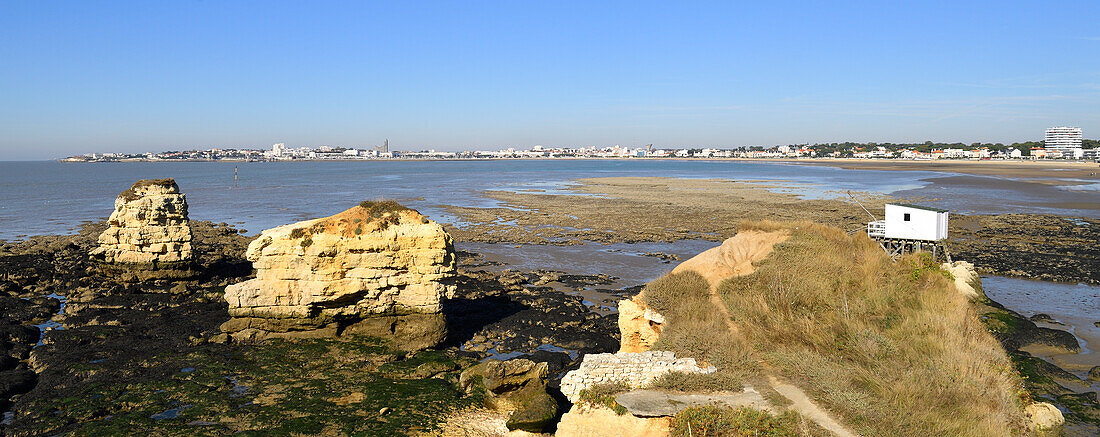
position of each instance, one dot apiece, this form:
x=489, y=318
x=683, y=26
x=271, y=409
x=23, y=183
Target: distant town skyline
x=137, y=77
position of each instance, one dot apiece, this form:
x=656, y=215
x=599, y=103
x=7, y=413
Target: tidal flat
x=541, y=270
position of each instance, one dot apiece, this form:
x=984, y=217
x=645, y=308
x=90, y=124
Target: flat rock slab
x=652, y=403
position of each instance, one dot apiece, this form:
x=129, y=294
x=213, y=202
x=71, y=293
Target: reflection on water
x=1076, y=306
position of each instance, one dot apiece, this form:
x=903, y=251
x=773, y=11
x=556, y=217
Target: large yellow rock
x=965, y=275
x=734, y=257
x=596, y=421
x=148, y=226
x=1043, y=416
x=640, y=326
x=377, y=269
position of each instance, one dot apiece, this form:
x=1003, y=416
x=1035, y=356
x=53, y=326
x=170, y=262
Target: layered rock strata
x=149, y=226
x=377, y=269
x=636, y=370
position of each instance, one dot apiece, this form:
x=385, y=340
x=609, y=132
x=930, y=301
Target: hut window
x=906, y=217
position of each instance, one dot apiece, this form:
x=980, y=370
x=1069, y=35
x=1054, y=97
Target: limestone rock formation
x=734, y=257
x=589, y=420
x=965, y=275
x=640, y=326
x=149, y=226
x=1043, y=416
x=377, y=269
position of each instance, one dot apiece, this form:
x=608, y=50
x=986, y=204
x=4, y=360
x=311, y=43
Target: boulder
x=1043, y=416
x=516, y=387
x=585, y=420
x=149, y=226
x=502, y=377
x=965, y=275
x=1094, y=373
x=535, y=410
x=654, y=403
x=377, y=269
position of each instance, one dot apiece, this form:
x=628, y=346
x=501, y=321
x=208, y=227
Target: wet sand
x=653, y=209
x=1087, y=172
x=1073, y=307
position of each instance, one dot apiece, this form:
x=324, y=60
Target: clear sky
x=100, y=76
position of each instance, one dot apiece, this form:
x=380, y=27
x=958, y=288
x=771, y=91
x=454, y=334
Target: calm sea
x=51, y=197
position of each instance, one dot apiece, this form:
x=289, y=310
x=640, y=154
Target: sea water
x=52, y=198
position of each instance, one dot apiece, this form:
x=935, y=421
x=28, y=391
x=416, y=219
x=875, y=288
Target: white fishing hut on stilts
x=911, y=228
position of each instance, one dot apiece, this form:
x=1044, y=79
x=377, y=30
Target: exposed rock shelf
x=377, y=269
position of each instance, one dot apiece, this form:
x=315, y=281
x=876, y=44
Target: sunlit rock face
x=377, y=269
x=149, y=226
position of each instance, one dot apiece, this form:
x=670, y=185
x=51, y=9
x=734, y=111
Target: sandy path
x=800, y=401
x=734, y=258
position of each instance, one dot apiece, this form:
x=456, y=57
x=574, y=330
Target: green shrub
x=604, y=395
x=383, y=212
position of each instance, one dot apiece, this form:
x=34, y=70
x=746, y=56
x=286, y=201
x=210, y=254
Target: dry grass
x=889, y=347
x=693, y=328
x=718, y=421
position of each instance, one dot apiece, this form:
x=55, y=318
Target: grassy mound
x=889, y=347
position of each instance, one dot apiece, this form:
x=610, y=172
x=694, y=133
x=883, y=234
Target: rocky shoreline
x=130, y=348
x=91, y=351
x=122, y=346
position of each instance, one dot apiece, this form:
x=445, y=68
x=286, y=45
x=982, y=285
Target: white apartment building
x=1064, y=139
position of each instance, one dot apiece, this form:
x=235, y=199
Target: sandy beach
x=1088, y=171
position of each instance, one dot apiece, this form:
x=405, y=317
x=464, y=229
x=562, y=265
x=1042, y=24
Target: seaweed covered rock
x=377, y=269
x=149, y=226
x=516, y=386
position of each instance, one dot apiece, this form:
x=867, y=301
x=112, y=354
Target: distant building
x=1066, y=140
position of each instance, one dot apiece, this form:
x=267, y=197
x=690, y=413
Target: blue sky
x=139, y=76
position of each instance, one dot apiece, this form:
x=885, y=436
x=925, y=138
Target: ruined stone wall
x=634, y=369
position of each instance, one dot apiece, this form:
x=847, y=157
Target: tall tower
x=386, y=145
x=1064, y=139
